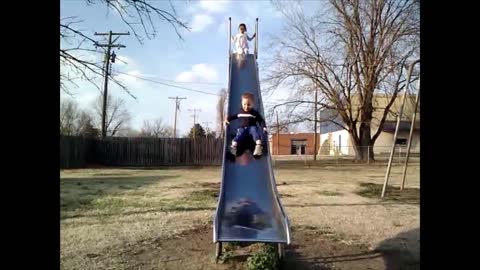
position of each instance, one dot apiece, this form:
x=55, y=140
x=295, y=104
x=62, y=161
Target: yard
x=135, y=218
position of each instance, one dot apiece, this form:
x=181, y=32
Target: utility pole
x=194, y=119
x=315, y=137
x=177, y=108
x=109, y=46
x=278, y=135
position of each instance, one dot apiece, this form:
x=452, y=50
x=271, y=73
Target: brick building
x=293, y=144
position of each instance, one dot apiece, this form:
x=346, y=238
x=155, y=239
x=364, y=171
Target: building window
x=401, y=141
x=298, y=146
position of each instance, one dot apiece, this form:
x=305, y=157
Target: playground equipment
x=399, y=118
x=249, y=207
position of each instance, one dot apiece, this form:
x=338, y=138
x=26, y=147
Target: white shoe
x=233, y=150
x=258, y=150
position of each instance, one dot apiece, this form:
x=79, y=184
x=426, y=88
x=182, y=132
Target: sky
x=199, y=62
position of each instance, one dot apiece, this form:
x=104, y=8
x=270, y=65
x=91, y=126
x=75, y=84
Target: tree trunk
x=363, y=146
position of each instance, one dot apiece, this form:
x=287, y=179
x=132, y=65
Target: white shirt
x=241, y=42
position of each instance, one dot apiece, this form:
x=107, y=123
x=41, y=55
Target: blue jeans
x=243, y=132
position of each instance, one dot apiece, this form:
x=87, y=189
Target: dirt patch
x=312, y=248
x=329, y=193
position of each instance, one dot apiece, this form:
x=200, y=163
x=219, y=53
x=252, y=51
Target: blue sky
x=198, y=62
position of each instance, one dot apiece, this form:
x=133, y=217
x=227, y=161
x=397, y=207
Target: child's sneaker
x=233, y=150
x=258, y=150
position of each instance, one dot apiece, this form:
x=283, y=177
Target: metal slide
x=249, y=208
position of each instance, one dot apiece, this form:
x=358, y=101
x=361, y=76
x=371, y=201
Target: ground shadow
x=313, y=250
x=401, y=252
x=84, y=192
x=320, y=248
x=330, y=254
x=295, y=260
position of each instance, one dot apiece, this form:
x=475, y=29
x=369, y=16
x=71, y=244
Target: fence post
x=336, y=154
x=368, y=154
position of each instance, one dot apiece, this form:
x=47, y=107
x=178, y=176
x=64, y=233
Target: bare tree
x=221, y=111
x=117, y=117
x=167, y=132
x=77, y=52
x=69, y=114
x=285, y=124
x=131, y=132
x=85, y=126
x=360, y=49
x=156, y=129
x=74, y=121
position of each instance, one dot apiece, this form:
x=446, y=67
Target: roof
x=389, y=126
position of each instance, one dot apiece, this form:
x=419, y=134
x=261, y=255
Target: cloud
x=134, y=85
x=84, y=95
x=263, y=10
x=203, y=13
x=126, y=78
x=199, y=73
x=87, y=98
x=201, y=22
x=223, y=28
x=124, y=61
x=214, y=6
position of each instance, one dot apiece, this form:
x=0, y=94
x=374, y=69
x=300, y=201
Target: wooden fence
x=118, y=151
x=74, y=151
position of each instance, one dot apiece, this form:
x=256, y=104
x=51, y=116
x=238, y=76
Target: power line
x=166, y=84
x=208, y=83
x=166, y=80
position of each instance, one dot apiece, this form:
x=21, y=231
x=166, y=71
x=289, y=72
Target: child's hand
x=226, y=122
x=265, y=130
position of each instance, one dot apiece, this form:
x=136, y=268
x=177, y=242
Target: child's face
x=242, y=29
x=247, y=104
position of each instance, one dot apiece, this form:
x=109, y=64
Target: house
x=334, y=139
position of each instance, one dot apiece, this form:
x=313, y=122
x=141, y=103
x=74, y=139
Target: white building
x=336, y=140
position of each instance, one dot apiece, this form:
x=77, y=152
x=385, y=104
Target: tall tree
x=198, y=130
x=69, y=114
x=358, y=50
